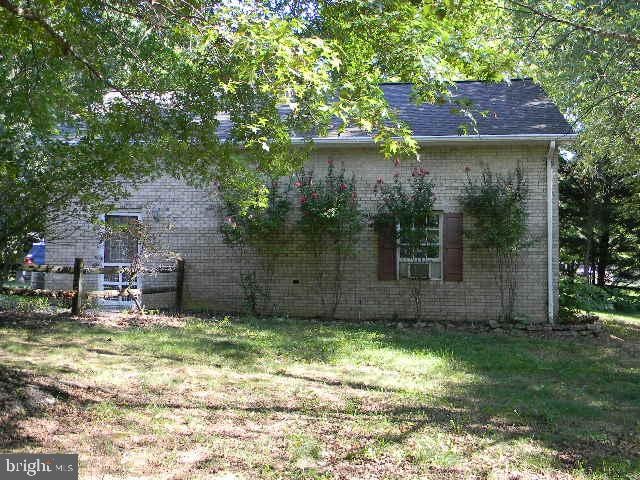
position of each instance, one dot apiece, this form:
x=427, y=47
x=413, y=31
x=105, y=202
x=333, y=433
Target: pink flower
x=314, y=195
x=330, y=161
x=297, y=184
x=343, y=186
x=414, y=172
x=353, y=195
x=379, y=181
x=423, y=172
x=303, y=199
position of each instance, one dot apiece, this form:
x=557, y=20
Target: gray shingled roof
x=515, y=108
x=518, y=107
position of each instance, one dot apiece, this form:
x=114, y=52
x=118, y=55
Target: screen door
x=119, y=250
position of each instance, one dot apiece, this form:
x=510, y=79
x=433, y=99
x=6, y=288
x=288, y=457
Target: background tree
x=586, y=54
x=599, y=221
x=40, y=189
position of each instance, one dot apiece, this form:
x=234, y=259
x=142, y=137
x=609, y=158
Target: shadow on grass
x=23, y=396
x=579, y=398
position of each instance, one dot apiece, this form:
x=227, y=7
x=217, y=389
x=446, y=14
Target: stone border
x=593, y=328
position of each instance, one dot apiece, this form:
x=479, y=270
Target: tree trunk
x=588, y=246
x=5, y=269
x=337, y=280
x=603, y=257
x=587, y=258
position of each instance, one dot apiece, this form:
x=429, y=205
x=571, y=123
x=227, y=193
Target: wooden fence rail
x=78, y=271
x=129, y=292
x=88, y=270
x=37, y=292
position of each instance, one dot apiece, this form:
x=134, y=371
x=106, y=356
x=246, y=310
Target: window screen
x=121, y=246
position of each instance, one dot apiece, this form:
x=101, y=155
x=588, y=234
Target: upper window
x=423, y=260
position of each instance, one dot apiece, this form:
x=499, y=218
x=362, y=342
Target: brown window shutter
x=452, y=233
x=387, y=254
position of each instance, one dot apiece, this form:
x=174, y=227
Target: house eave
x=444, y=139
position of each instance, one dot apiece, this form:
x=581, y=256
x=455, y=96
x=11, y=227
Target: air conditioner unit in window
x=418, y=270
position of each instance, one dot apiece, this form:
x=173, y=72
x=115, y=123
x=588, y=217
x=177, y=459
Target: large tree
x=587, y=55
x=99, y=93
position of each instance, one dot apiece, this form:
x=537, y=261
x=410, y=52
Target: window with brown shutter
x=453, y=259
x=387, y=254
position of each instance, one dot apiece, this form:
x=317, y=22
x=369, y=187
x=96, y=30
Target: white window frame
x=111, y=301
x=427, y=261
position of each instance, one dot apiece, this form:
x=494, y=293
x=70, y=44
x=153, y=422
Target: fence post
x=179, y=283
x=76, y=302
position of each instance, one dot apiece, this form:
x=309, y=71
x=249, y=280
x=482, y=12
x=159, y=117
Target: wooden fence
x=76, y=294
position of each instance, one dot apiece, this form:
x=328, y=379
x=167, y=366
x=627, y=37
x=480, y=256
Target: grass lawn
x=165, y=397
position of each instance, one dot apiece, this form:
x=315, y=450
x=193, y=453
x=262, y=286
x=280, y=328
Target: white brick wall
x=213, y=269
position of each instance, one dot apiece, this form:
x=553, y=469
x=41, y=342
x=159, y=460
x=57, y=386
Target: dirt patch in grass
x=107, y=319
x=132, y=319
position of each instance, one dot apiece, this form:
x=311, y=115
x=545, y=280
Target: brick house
x=522, y=128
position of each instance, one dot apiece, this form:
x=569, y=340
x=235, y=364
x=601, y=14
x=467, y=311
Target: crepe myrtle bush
x=256, y=223
x=329, y=208
x=256, y=219
x=407, y=205
x=330, y=221
x=497, y=206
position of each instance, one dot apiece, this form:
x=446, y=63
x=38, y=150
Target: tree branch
x=67, y=49
x=626, y=37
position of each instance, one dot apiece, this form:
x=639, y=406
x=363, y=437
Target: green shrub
x=330, y=222
x=256, y=218
x=624, y=300
x=16, y=303
x=406, y=205
x=576, y=294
